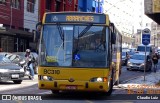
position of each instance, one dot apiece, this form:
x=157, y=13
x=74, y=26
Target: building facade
x=91, y=6
x=155, y=34
x=13, y=36
x=56, y=6
x=30, y=14
x=152, y=9
x=31, y=8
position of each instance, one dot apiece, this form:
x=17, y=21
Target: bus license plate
x=71, y=87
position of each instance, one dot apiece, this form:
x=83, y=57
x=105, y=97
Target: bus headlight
x=46, y=78
x=98, y=79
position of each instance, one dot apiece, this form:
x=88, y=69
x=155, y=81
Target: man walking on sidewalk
x=155, y=61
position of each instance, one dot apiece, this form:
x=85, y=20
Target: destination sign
x=75, y=18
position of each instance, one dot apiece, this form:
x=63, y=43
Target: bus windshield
x=74, y=46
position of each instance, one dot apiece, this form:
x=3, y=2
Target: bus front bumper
x=73, y=86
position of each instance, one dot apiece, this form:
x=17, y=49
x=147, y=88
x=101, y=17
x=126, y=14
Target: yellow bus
x=78, y=52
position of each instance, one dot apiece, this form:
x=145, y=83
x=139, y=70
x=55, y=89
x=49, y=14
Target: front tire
x=55, y=91
x=110, y=86
x=17, y=81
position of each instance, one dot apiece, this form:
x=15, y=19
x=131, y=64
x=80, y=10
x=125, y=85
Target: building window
x=48, y=4
x=93, y=9
x=58, y=6
x=15, y=4
x=64, y=7
x=3, y=2
x=76, y=7
x=30, y=5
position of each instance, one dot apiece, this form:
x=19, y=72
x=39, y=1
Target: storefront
x=13, y=40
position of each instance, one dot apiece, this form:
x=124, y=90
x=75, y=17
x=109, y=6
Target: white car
x=10, y=71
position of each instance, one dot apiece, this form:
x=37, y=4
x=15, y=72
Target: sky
x=137, y=13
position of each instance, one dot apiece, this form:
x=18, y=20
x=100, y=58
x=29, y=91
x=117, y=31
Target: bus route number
x=49, y=71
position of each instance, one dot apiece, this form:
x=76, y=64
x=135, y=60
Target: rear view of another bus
x=75, y=53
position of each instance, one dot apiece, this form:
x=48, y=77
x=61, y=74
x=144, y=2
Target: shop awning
x=21, y=33
x=155, y=17
x=15, y=32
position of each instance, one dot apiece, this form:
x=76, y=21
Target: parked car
x=10, y=71
x=133, y=49
x=35, y=55
x=14, y=58
x=131, y=53
x=125, y=57
x=125, y=49
x=137, y=61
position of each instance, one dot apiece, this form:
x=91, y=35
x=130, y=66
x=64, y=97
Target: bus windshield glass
x=74, y=46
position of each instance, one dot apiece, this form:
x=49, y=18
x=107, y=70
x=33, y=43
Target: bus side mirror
x=37, y=32
x=113, y=38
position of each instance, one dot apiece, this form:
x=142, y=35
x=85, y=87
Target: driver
x=98, y=44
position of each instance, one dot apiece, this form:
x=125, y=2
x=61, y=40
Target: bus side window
x=113, y=38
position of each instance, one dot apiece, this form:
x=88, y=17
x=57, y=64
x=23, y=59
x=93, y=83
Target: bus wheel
x=110, y=86
x=55, y=91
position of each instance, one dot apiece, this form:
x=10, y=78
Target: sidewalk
x=150, y=80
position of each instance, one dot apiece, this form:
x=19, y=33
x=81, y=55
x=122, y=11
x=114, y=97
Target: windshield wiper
x=80, y=35
x=84, y=30
x=61, y=33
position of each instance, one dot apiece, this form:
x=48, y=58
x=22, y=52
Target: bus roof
x=75, y=17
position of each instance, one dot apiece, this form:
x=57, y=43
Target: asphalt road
x=31, y=87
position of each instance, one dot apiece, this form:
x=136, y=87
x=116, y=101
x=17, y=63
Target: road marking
x=15, y=86
x=88, y=101
x=22, y=91
x=48, y=92
x=19, y=101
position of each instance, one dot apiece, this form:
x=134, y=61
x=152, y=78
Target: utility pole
x=155, y=37
x=11, y=14
x=154, y=41
x=142, y=12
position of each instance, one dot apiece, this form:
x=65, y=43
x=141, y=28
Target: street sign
x=146, y=39
x=146, y=35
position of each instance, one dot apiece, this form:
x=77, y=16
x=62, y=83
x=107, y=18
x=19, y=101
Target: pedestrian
x=155, y=61
x=157, y=55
